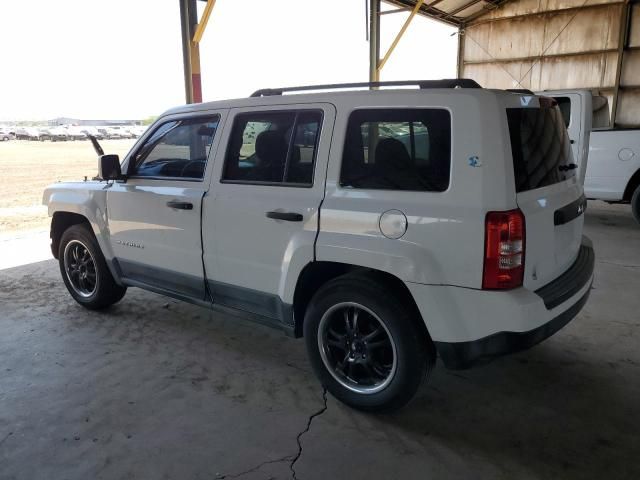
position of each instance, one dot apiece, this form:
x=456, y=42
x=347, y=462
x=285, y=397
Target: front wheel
x=635, y=204
x=365, y=344
x=84, y=270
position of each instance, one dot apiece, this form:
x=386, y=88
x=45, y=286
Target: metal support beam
x=406, y=24
x=192, y=32
x=396, y=10
x=196, y=83
x=533, y=58
x=374, y=40
x=470, y=21
x=625, y=25
x=202, y=25
x=460, y=59
x=186, y=49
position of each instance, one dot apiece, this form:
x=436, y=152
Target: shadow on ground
x=155, y=388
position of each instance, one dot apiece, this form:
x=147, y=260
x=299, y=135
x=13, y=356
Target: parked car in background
x=119, y=132
x=28, y=133
x=608, y=158
x=6, y=136
x=94, y=132
x=138, y=130
x=387, y=227
x=54, y=134
x=104, y=132
x=75, y=133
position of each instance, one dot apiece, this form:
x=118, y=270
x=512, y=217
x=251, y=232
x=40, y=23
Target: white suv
x=387, y=227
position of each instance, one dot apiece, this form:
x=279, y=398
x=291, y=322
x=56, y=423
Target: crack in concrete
x=617, y=264
x=289, y=458
x=256, y=468
x=308, y=427
x=5, y=438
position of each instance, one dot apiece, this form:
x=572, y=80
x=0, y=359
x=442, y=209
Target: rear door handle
x=286, y=216
x=180, y=205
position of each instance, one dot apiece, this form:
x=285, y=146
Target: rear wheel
x=84, y=270
x=365, y=344
x=635, y=204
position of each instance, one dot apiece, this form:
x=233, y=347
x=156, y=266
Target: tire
x=84, y=270
x=395, y=369
x=635, y=204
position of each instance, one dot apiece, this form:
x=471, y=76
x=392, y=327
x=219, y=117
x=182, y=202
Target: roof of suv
x=331, y=93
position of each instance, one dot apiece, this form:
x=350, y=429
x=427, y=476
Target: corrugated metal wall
x=554, y=44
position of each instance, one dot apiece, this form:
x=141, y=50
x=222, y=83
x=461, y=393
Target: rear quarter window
x=540, y=147
x=397, y=149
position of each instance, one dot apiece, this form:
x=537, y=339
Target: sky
x=122, y=59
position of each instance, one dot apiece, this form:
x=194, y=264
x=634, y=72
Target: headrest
x=270, y=146
x=391, y=153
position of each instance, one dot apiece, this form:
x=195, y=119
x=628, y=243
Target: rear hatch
x=547, y=191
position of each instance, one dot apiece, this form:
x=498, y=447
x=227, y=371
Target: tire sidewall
x=411, y=354
x=103, y=293
x=635, y=204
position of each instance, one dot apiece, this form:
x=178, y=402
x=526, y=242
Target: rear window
x=540, y=147
x=397, y=149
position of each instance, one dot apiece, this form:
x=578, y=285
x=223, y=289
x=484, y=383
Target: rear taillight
x=504, y=250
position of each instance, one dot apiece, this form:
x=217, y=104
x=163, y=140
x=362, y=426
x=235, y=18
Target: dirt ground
x=158, y=389
x=26, y=168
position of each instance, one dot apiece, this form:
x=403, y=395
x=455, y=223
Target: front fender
x=88, y=199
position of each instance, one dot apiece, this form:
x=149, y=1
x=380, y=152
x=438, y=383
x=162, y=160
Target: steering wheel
x=186, y=166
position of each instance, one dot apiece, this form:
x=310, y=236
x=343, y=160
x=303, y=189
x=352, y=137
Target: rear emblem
x=525, y=101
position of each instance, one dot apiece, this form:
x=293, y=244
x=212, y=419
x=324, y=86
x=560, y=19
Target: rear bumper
x=461, y=355
x=471, y=326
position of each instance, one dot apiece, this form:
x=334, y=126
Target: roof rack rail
x=446, y=83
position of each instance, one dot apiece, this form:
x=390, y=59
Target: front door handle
x=286, y=216
x=180, y=205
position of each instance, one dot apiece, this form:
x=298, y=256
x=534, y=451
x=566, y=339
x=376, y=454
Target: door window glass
x=273, y=147
x=177, y=149
x=397, y=149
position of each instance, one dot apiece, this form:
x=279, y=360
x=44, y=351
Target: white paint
x=443, y=240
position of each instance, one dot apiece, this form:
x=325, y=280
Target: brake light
x=504, y=250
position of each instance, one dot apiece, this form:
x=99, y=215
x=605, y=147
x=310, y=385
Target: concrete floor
x=157, y=389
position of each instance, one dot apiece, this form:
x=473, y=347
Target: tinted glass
x=540, y=147
x=273, y=147
x=177, y=149
x=399, y=149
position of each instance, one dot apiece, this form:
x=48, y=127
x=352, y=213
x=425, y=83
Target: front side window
x=273, y=147
x=397, y=149
x=177, y=149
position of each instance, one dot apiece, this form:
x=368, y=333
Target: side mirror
x=109, y=167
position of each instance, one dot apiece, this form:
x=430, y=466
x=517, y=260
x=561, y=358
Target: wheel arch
x=60, y=222
x=315, y=274
x=634, y=182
